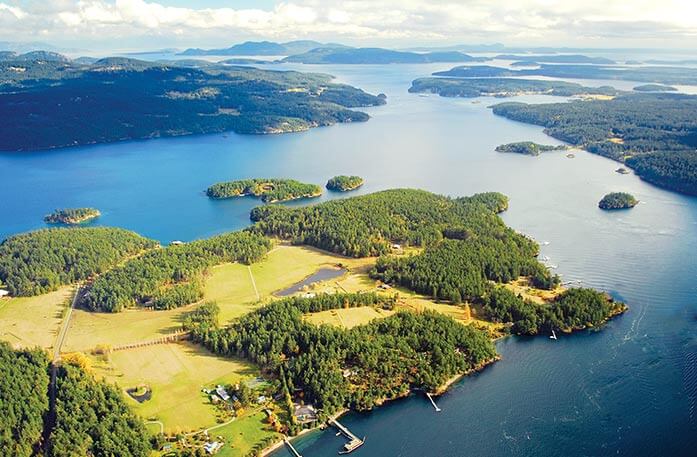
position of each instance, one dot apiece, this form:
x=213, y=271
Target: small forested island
x=529, y=148
x=504, y=87
x=72, y=216
x=653, y=133
x=344, y=183
x=63, y=102
x=618, y=200
x=655, y=88
x=271, y=190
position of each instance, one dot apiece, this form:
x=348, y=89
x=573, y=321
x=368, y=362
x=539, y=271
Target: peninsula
x=344, y=183
x=529, y=148
x=617, y=200
x=270, y=190
x=72, y=216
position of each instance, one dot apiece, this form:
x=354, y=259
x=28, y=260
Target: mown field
x=33, y=321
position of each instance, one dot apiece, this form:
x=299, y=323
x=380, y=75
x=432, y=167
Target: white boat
x=553, y=336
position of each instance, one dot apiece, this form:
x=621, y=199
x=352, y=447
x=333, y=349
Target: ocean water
x=628, y=389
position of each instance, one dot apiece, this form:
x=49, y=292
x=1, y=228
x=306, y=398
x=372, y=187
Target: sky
x=152, y=24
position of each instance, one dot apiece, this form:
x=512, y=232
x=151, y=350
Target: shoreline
x=441, y=390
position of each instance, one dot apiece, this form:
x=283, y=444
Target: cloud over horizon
x=127, y=23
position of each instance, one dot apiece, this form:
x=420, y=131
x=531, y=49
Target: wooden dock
x=292, y=449
x=433, y=402
x=354, y=442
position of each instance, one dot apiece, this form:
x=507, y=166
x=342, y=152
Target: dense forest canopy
x=71, y=215
x=171, y=277
x=528, y=148
x=503, y=87
x=269, y=189
x=58, y=104
x=656, y=134
x=23, y=400
x=344, y=183
x=574, y=309
x=460, y=268
x=618, y=200
x=358, y=368
x=38, y=262
x=368, y=225
x=92, y=419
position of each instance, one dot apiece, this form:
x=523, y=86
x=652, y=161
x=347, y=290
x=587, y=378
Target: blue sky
x=148, y=24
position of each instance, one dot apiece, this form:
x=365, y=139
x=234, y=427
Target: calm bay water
x=630, y=389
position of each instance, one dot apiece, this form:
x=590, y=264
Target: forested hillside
x=367, y=225
x=38, y=262
x=58, y=104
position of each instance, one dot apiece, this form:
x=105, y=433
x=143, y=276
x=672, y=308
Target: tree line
x=170, y=277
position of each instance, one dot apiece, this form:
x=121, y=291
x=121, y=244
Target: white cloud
x=580, y=22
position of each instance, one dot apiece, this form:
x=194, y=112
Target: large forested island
x=655, y=134
x=618, y=200
x=503, y=87
x=655, y=88
x=271, y=190
x=59, y=103
x=648, y=74
x=72, y=216
x=528, y=148
x=344, y=183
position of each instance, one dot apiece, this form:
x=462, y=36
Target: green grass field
x=175, y=373
x=241, y=435
x=88, y=329
x=33, y=321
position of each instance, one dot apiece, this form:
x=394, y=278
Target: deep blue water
x=630, y=389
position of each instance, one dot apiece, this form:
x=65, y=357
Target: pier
x=292, y=449
x=354, y=442
x=433, y=402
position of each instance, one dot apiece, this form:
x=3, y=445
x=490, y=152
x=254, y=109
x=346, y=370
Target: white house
x=4, y=293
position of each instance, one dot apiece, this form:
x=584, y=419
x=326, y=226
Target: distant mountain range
x=33, y=56
x=262, y=48
x=377, y=56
